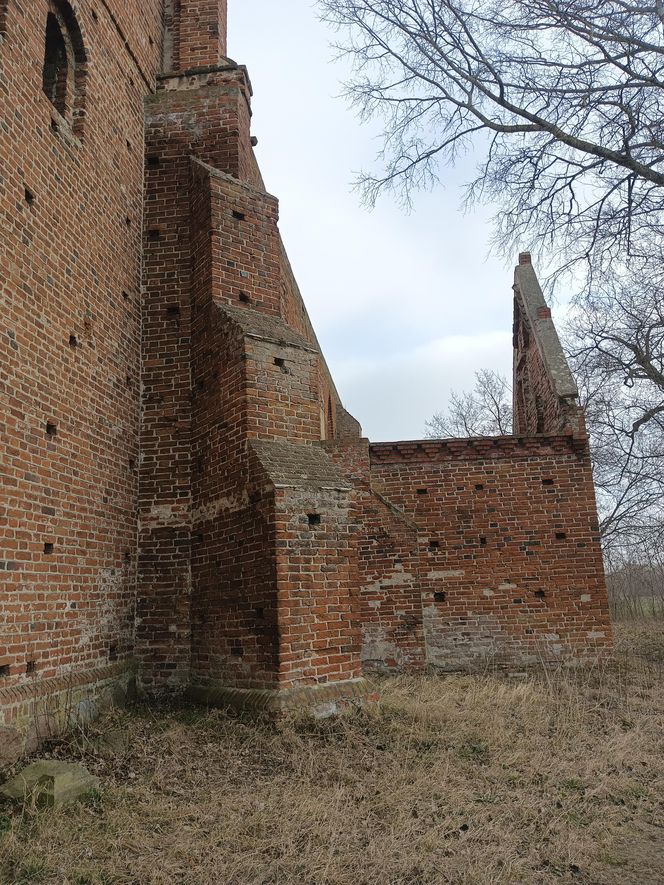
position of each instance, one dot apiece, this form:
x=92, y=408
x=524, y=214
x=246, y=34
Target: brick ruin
x=186, y=505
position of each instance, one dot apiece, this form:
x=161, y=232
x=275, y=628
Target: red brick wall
x=510, y=562
x=70, y=258
x=195, y=33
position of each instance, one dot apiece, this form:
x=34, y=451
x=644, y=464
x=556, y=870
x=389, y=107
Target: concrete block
x=51, y=783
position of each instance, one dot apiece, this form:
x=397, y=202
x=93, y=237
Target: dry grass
x=553, y=778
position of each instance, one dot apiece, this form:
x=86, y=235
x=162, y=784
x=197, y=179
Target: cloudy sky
x=406, y=306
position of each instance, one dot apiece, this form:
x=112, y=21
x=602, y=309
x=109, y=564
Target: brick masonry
x=183, y=495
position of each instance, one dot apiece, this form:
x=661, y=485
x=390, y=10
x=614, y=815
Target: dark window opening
x=56, y=65
x=539, y=594
x=439, y=596
x=560, y=536
x=51, y=428
x=483, y=541
x=113, y=652
x=547, y=482
x=238, y=216
x=260, y=613
x=153, y=161
x=48, y=548
x=244, y=298
x=330, y=418
x=31, y=667
x=4, y=670
x=154, y=234
x=64, y=69
x=479, y=487
x=73, y=341
x=423, y=491
x=29, y=197
x=313, y=518
x=237, y=651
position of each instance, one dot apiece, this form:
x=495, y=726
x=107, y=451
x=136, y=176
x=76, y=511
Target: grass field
x=552, y=778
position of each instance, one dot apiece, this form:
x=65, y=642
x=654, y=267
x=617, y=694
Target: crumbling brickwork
x=185, y=500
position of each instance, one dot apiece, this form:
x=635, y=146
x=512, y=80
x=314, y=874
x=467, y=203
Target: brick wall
x=180, y=480
x=70, y=258
x=510, y=563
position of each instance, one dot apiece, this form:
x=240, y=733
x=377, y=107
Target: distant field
x=553, y=778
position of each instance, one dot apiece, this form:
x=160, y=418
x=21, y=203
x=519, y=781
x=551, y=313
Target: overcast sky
x=406, y=306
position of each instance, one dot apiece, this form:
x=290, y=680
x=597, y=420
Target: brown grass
x=552, y=778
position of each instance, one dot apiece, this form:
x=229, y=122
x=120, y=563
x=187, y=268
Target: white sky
x=406, y=306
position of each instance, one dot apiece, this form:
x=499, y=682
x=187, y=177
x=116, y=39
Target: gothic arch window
x=64, y=70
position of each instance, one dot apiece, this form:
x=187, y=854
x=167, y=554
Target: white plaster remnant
x=374, y=603
x=507, y=586
x=396, y=579
x=488, y=592
x=586, y=597
x=453, y=573
x=220, y=505
x=596, y=634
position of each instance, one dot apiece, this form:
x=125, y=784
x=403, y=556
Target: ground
x=494, y=778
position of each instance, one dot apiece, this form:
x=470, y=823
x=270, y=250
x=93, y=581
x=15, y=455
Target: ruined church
x=185, y=504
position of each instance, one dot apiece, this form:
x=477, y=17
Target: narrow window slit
x=30, y=668
x=51, y=428
x=49, y=548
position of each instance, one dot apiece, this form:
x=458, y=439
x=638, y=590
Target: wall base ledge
x=321, y=700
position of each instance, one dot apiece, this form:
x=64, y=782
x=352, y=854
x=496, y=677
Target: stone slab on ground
x=50, y=782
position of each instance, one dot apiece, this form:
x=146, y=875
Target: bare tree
x=486, y=410
x=564, y=98
x=616, y=347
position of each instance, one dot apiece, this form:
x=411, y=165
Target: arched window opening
x=56, y=65
x=63, y=75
